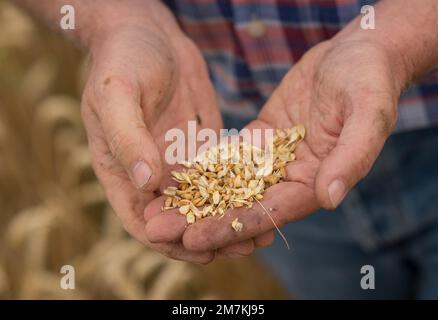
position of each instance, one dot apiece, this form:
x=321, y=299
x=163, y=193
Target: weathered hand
x=345, y=94
x=143, y=82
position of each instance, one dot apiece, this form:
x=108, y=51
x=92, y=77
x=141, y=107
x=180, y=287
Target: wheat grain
x=206, y=188
x=238, y=226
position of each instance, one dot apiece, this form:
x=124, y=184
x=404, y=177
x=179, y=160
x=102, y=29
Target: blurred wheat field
x=53, y=211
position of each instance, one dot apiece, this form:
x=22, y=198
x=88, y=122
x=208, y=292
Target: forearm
x=96, y=18
x=408, y=30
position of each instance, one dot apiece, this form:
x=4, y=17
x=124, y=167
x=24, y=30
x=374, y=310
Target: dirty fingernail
x=336, y=191
x=141, y=173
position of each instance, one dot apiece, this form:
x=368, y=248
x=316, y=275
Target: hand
x=345, y=93
x=143, y=82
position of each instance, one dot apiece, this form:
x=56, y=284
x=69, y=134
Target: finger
x=264, y=240
x=129, y=203
x=285, y=202
x=297, y=171
x=163, y=226
x=178, y=252
x=166, y=227
x=169, y=227
x=259, y=139
x=119, y=112
x=241, y=249
x=129, y=209
x=167, y=180
x=361, y=140
x=305, y=167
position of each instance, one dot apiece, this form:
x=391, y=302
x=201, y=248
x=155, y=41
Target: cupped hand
x=143, y=82
x=345, y=93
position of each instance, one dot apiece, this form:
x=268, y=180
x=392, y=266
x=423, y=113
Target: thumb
x=127, y=136
x=358, y=146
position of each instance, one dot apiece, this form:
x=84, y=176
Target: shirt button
x=256, y=27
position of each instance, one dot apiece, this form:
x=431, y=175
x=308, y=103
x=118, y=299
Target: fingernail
x=336, y=191
x=141, y=174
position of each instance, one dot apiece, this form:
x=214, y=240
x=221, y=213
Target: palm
x=192, y=99
x=323, y=91
x=169, y=85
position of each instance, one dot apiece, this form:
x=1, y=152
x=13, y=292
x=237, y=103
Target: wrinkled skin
x=136, y=91
x=345, y=95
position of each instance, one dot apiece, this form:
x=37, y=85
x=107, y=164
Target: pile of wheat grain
x=231, y=175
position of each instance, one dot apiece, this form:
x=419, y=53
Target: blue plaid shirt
x=250, y=45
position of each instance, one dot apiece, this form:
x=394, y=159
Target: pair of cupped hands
x=143, y=82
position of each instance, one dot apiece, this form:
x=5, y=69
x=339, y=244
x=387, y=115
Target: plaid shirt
x=249, y=46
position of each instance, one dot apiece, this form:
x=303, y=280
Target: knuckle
x=120, y=144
